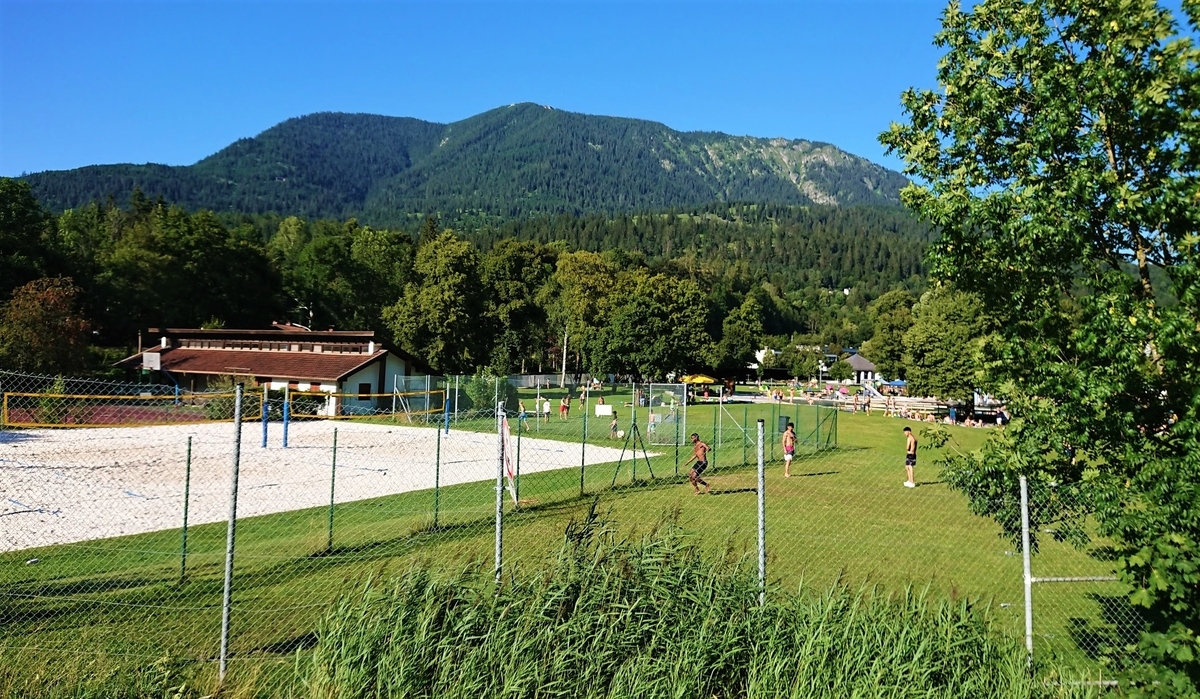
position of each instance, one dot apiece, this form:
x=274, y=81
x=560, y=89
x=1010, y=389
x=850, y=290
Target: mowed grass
x=88, y=610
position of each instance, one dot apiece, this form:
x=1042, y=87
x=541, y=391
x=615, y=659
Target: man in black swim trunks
x=700, y=456
x=910, y=457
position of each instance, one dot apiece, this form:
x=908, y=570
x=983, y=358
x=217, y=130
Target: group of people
x=700, y=450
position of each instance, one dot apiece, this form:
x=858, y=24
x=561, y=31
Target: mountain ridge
x=514, y=160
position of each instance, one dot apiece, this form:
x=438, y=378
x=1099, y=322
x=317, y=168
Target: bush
x=481, y=391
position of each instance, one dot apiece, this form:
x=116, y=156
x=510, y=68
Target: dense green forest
x=639, y=293
x=508, y=162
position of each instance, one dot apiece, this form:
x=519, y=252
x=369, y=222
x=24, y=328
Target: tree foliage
x=440, y=317
x=1061, y=164
x=942, y=344
x=891, y=317
x=41, y=330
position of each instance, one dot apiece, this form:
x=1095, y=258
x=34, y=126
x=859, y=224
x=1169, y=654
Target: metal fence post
x=437, y=476
x=332, y=483
x=1028, y=568
x=745, y=432
x=227, y=596
x=187, y=487
x=265, y=413
x=499, y=489
x=287, y=412
x=762, y=518
x=677, y=436
x=583, y=448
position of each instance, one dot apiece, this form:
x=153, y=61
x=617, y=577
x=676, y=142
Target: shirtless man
x=789, y=449
x=700, y=456
x=910, y=457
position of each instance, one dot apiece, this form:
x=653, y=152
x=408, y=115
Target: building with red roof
x=353, y=364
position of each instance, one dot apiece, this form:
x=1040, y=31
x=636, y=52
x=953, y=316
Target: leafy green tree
x=440, y=317
x=805, y=365
x=840, y=370
x=41, y=330
x=581, y=284
x=741, y=336
x=23, y=236
x=655, y=326
x=941, y=346
x=891, y=317
x=1061, y=162
x=514, y=273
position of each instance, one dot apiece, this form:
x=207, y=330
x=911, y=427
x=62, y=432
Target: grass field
x=85, y=612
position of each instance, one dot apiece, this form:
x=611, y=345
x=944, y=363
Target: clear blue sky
x=171, y=82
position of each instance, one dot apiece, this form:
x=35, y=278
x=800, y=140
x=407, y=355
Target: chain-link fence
x=1075, y=610
x=153, y=531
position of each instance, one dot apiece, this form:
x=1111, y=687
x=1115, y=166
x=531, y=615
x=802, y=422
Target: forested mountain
x=511, y=161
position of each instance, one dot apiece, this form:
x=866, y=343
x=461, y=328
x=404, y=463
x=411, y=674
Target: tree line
x=644, y=294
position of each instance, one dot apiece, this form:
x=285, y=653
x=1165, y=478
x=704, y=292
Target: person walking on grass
x=910, y=457
x=612, y=427
x=522, y=416
x=546, y=410
x=564, y=407
x=700, y=456
x=789, y=449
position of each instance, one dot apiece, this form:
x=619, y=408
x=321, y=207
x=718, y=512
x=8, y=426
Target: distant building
x=863, y=368
x=352, y=363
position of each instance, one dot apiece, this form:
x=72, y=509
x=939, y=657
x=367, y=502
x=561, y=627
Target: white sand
x=64, y=486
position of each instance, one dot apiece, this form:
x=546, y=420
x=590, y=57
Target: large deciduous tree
x=41, y=330
x=514, y=273
x=440, y=317
x=891, y=316
x=654, y=325
x=741, y=335
x=942, y=344
x=1060, y=159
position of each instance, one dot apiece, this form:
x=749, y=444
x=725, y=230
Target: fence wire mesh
x=116, y=532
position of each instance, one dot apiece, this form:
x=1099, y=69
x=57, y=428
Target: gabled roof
x=858, y=362
x=304, y=366
x=269, y=353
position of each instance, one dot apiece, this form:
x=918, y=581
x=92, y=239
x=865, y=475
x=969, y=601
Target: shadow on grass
x=286, y=647
x=1120, y=626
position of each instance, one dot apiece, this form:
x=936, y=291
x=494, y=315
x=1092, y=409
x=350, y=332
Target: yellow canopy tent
x=698, y=378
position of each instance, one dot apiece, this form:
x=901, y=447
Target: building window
x=364, y=391
x=294, y=385
x=314, y=387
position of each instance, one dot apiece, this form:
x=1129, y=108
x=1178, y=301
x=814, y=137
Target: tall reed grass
x=651, y=617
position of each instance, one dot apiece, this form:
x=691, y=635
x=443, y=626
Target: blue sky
x=172, y=82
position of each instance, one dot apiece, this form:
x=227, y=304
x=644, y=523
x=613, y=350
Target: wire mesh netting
x=117, y=548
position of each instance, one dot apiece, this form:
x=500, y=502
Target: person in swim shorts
x=700, y=456
x=789, y=449
x=910, y=457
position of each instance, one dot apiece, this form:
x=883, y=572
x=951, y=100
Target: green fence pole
x=437, y=476
x=332, y=483
x=712, y=460
x=774, y=427
x=187, y=488
x=745, y=414
x=677, y=435
x=583, y=448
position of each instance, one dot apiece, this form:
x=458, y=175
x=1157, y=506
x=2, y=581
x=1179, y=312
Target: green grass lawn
x=96, y=607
